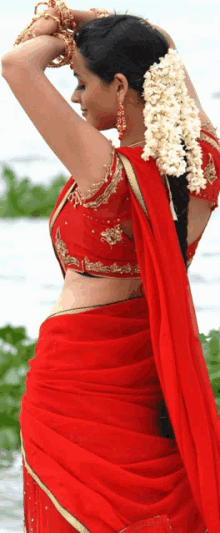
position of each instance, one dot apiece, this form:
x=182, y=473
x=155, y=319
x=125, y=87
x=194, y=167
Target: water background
x=30, y=278
x=194, y=27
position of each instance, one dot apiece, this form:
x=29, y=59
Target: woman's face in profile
x=97, y=100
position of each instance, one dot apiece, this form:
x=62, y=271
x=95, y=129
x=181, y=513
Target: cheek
x=95, y=98
x=101, y=106
x=87, y=98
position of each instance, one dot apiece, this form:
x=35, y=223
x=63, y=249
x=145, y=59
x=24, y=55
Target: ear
x=122, y=86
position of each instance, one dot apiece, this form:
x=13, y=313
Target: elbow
x=11, y=67
x=6, y=65
x=10, y=61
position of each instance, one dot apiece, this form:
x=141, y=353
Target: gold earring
x=121, y=122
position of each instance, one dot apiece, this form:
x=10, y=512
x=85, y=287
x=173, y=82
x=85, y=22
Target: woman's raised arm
x=82, y=149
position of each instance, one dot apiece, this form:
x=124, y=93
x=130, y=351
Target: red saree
x=92, y=445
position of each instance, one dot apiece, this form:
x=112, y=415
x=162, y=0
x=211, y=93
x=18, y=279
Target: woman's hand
x=44, y=26
x=81, y=17
x=30, y=49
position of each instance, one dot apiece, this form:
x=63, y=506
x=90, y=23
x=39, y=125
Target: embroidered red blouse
x=93, y=234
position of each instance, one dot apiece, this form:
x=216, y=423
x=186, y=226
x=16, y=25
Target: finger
x=82, y=16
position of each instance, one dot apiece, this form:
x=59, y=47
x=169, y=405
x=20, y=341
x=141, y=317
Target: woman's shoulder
x=210, y=146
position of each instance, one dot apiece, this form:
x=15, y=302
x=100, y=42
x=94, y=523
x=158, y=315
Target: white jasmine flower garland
x=170, y=115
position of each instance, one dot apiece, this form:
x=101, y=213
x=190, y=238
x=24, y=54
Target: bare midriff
x=80, y=291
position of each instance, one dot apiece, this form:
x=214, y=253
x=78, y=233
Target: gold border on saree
x=72, y=520
x=133, y=182
x=90, y=308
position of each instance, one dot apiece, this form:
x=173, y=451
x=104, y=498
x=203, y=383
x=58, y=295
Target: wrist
x=36, y=52
x=46, y=23
x=58, y=22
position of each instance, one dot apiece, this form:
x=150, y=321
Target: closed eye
x=80, y=87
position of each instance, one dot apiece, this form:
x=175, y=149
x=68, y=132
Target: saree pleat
x=89, y=418
x=90, y=414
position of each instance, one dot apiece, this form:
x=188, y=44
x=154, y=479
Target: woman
x=121, y=344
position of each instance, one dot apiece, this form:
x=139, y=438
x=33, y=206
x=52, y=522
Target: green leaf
x=9, y=438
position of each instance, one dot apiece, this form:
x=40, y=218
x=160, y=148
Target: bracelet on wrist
x=39, y=4
x=65, y=30
x=65, y=57
x=45, y=15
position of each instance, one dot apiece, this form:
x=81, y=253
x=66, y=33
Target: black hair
x=126, y=44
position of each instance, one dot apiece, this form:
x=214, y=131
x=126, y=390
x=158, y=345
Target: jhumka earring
x=121, y=122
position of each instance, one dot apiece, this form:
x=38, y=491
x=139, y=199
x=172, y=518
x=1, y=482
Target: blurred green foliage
x=23, y=199
x=16, y=350
x=211, y=350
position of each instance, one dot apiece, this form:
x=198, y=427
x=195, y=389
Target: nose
x=75, y=98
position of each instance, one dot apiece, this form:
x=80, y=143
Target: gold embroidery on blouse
x=96, y=186
x=89, y=266
x=209, y=171
x=111, y=188
x=214, y=144
x=75, y=198
x=114, y=268
x=61, y=250
x=112, y=235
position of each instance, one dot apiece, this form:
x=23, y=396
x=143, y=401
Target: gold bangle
x=21, y=34
x=66, y=19
x=46, y=15
x=63, y=19
x=29, y=33
x=39, y=4
x=43, y=14
x=67, y=54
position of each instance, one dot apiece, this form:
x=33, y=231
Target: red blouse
x=211, y=167
x=93, y=233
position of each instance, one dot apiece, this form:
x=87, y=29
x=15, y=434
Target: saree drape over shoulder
x=91, y=439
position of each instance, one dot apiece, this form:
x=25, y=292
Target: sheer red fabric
x=177, y=350
x=89, y=417
x=91, y=437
